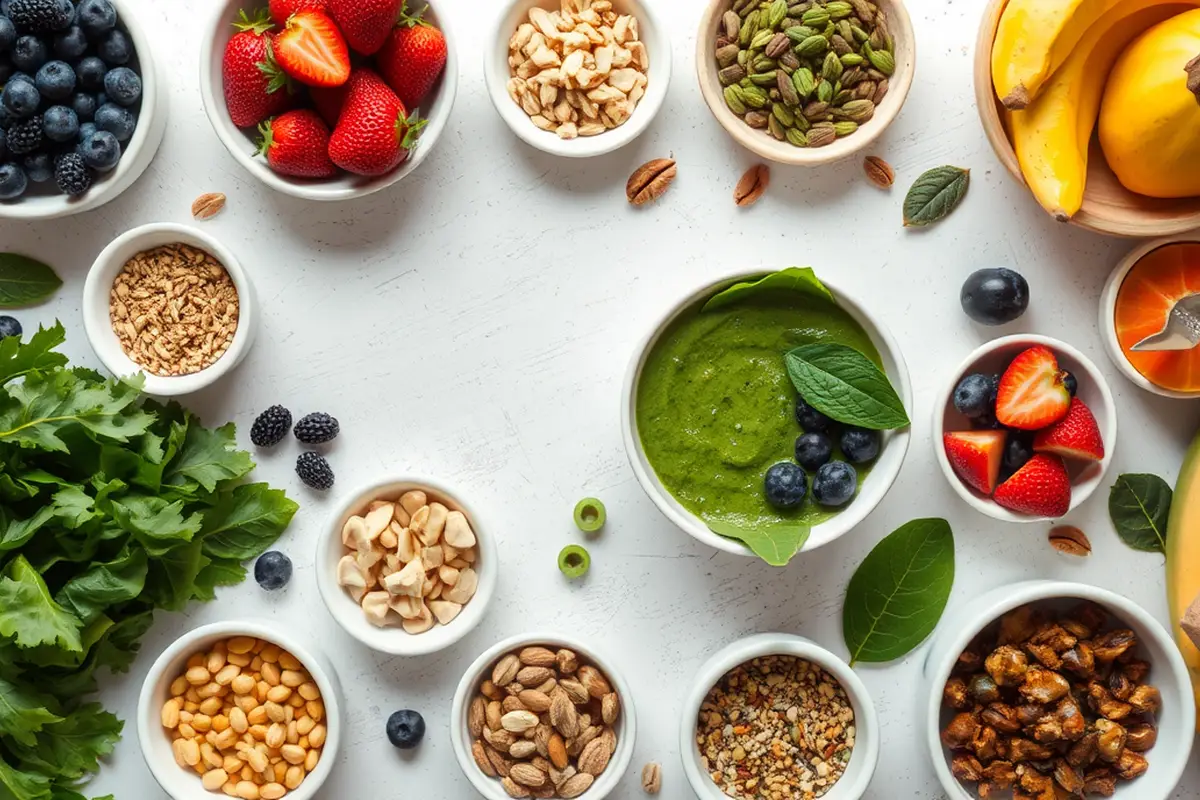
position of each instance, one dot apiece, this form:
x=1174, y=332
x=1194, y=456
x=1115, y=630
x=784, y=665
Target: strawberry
x=1074, y=436
x=375, y=133
x=297, y=144
x=412, y=58
x=311, y=49
x=255, y=86
x=1042, y=488
x=329, y=102
x=366, y=23
x=281, y=10
x=976, y=457
x=1032, y=392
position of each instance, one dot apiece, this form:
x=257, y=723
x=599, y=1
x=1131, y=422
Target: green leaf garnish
x=793, y=279
x=935, y=195
x=776, y=543
x=24, y=281
x=846, y=386
x=1140, y=507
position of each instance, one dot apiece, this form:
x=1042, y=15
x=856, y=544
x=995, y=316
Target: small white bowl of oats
x=172, y=303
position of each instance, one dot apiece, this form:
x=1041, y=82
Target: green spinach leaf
x=793, y=279
x=18, y=359
x=24, y=712
x=29, y=615
x=775, y=544
x=246, y=521
x=24, y=280
x=1139, y=506
x=208, y=457
x=846, y=386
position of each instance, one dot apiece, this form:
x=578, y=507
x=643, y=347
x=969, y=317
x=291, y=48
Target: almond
x=513, y=788
x=481, y=759
x=651, y=778
x=562, y=713
x=499, y=762
x=609, y=737
x=527, y=775
x=575, y=690
x=557, y=750
x=594, y=681
x=594, y=757
x=575, y=786
x=506, y=670
x=492, y=715
x=610, y=708
x=477, y=717
x=566, y=661
x=535, y=701
x=519, y=721
x=537, y=657
x=534, y=676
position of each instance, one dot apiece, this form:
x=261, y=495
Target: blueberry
x=6, y=118
x=68, y=8
x=995, y=296
x=91, y=72
x=975, y=395
x=835, y=483
x=96, y=17
x=101, y=151
x=9, y=327
x=860, y=445
x=3, y=148
x=786, y=484
x=21, y=99
x=405, y=729
x=1017, y=451
x=87, y=130
x=70, y=44
x=810, y=419
x=21, y=76
x=273, y=570
x=813, y=450
x=115, y=48
x=1071, y=383
x=986, y=422
x=55, y=80
x=123, y=86
x=60, y=124
x=39, y=167
x=84, y=106
x=8, y=35
x=12, y=181
x=116, y=120
x=29, y=53
x=7, y=70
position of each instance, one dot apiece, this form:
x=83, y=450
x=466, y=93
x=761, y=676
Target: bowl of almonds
x=405, y=567
x=543, y=716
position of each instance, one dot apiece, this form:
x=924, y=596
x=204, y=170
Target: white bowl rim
x=168, y=773
x=584, y=146
x=1080, y=493
x=394, y=640
x=823, y=533
x=490, y=787
x=1108, y=312
x=864, y=757
x=99, y=328
x=1006, y=598
x=346, y=187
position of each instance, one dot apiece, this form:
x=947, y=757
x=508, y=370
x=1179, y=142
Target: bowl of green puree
x=710, y=406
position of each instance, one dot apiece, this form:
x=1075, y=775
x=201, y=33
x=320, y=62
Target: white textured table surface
x=475, y=322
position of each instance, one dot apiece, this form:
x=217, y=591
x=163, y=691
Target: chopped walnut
x=1074, y=724
x=1136, y=670
x=1119, y=686
x=961, y=731
x=1140, y=738
x=1018, y=625
x=966, y=768
x=1145, y=699
x=955, y=694
x=1111, y=644
x=986, y=744
x=1044, y=686
x=1029, y=714
x=1000, y=773
x=1068, y=777
x=983, y=689
x=1036, y=785
x=1110, y=741
x=1084, y=752
x=1085, y=619
x=1104, y=704
x=1025, y=750
x=1131, y=765
x=1007, y=666
x=1080, y=660
x=1001, y=717
x=1101, y=782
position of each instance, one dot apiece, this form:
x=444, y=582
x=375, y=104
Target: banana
x=1051, y=136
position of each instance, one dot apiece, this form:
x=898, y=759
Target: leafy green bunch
x=111, y=506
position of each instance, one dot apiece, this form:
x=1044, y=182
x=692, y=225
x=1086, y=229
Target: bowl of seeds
x=805, y=82
x=172, y=303
x=780, y=712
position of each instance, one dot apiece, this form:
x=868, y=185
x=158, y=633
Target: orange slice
x=1144, y=302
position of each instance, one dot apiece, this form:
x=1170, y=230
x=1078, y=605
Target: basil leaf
x=846, y=386
x=775, y=544
x=934, y=195
x=898, y=593
x=793, y=279
x=1139, y=506
x=24, y=280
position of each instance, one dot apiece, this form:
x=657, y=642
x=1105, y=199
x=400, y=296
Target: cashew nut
x=406, y=546
x=448, y=574
x=421, y=623
x=444, y=610
x=434, y=524
x=408, y=607
x=349, y=575
x=432, y=556
x=464, y=590
x=375, y=606
x=353, y=531
x=458, y=531
x=413, y=501
x=408, y=581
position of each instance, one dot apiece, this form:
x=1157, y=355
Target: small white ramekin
x=460, y=736
x=242, y=144
x=863, y=758
x=1168, y=673
x=184, y=784
x=496, y=73
x=98, y=326
x=870, y=493
x=394, y=639
x=994, y=357
x=1108, y=315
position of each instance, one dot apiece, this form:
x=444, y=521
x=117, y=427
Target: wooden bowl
x=1108, y=207
x=762, y=143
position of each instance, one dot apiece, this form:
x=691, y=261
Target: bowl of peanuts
x=242, y=709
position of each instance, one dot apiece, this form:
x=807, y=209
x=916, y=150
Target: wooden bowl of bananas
x=1097, y=109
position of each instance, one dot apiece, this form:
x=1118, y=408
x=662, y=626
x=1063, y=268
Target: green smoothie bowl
x=767, y=414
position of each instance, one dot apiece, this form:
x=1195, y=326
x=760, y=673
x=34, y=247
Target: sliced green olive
x=590, y=515
x=574, y=561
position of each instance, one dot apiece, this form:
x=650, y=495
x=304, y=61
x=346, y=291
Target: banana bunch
x=1050, y=62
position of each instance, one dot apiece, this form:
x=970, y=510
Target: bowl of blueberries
x=82, y=111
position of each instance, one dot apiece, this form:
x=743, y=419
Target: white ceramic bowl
x=184, y=784
x=1169, y=673
x=349, y=614
x=1108, y=314
x=139, y=151
x=994, y=357
x=242, y=144
x=871, y=491
x=460, y=736
x=496, y=73
x=98, y=286
x=863, y=758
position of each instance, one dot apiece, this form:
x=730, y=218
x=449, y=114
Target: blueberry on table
x=20, y=98
x=91, y=71
x=1071, y=383
x=8, y=34
x=13, y=183
x=995, y=296
x=786, y=484
x=39, y=167
x=101, y=151
x=118, y=121
x=835, y=484
x=810, y=419
x=861, y=445
x=29, y=53
x=273, y=570
x=115, y=48
x=813, y=450
x=9, y=327
x=975, y=395
x=84, y=105
x=71, y=174
x=24, y=137
x=60, y=124
x=70, y=44
x=405, y=729
x=96, y=17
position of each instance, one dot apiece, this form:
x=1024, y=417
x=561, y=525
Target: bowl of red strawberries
x=327, y=99
x=1026, y=428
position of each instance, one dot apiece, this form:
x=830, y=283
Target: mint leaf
x=29, y=614
x=246, y=521
x=23, y=712
x=846, y=386
x=775, y=544
x=207, y=458
x=17, y=359
x=25, y=280
x=793, y=279
x=1140, y=507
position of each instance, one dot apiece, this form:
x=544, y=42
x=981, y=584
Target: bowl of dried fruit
x=171, y=302
x=726, y=720
x=805, y=82
x=405, y=567
x=543, y=716
x=1051, y=689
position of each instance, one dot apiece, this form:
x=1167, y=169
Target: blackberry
x=316, y=428
x=271, y=426
x=24, y=137
x=71, y=174
x=39, y=16
x=314, y=470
